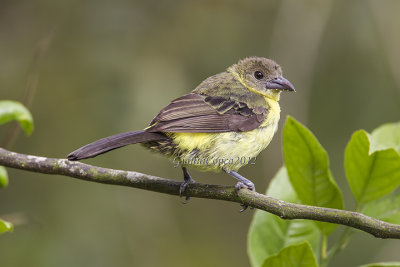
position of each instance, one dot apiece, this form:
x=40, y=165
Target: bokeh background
x=104, y=67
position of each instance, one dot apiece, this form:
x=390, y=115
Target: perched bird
x=223, y=124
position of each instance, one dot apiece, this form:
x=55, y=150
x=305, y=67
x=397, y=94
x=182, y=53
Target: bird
x=222, y=125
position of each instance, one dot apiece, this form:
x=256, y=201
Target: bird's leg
x=187, y=180
x=243, y=183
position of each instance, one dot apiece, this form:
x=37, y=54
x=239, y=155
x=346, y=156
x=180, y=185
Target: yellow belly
x=228, y=151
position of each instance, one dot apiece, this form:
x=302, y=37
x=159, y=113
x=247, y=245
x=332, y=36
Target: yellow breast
x=229, y=151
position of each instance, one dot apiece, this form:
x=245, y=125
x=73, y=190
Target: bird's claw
x=187, y=180
x=240, y=185
x=182, y=189
x=244, y=207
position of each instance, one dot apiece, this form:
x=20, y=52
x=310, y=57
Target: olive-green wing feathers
x=198, y=113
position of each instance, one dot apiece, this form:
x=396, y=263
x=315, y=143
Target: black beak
x=280, y=83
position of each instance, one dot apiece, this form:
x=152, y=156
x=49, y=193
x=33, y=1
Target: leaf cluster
x=372, y=167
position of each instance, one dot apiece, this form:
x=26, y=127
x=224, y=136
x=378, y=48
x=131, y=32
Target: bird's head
x=262, y=76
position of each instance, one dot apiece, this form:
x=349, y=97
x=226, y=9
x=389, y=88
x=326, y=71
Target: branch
x=283, y=209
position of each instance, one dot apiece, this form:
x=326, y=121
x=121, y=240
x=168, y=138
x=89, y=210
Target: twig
x=31, y=85
x=283, y=209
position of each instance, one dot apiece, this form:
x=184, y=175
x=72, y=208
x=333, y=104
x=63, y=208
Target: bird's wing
x=195, y=113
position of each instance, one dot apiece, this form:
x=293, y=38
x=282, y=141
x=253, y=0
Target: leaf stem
x=339, y=246
x=324, y=245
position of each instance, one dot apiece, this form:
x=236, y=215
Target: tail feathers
x=112, y=142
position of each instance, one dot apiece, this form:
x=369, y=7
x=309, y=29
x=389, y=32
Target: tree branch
x=283, y=209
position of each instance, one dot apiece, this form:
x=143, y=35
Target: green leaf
x=268, y=233
x=386, y=208
x=3, y=177
x=386, y=136
x=5, y=226
x=299, y=255
x=307, y=164
x=383, y=264
x=12, y=110
x=370, y=176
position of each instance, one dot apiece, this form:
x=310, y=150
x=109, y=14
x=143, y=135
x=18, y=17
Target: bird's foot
x=187, y=180
x=182, y=189
x=241, y=185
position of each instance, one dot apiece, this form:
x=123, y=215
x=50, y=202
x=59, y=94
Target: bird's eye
x=259, y=75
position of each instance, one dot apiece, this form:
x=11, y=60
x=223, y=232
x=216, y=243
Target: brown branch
x=283, y=209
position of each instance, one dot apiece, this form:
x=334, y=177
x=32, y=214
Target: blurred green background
x=112, y=65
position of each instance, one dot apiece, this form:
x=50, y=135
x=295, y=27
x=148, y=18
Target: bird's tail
x=112, y=142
